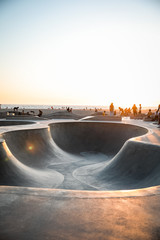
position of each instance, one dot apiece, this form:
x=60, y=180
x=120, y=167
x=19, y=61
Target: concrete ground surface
x=67, y=179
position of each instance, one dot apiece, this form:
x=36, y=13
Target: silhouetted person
x=149, y=114
x=158, y=114
x=129, y=110
x=134, y=108
x=121, y=110
x=140, y=108
x=69, y=109
x=111, y=108
x=40, y=113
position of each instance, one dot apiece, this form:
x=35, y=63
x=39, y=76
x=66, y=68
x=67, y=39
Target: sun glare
x=30, y=147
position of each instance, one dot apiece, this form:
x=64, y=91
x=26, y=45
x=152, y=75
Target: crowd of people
x=136, y=112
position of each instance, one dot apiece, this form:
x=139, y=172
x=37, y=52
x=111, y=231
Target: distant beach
x=59, y=111
x=32, y=106
x=63, y=107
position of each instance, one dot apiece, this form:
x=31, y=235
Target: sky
x=80, y=52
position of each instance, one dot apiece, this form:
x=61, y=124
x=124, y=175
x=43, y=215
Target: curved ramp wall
x=31, y=147
x=15, y=173
x=34, y=147
x=34, y=153
x=107, y=138
x=137, y=165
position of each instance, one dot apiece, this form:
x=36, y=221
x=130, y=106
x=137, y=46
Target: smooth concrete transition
x=80, y=180
x=71, y=155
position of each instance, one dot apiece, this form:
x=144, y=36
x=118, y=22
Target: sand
x=58, y=114
x=48, y=113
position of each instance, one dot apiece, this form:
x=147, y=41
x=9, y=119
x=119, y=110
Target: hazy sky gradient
x=80, y=52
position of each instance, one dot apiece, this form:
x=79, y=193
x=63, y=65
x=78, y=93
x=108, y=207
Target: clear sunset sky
x=90, y=52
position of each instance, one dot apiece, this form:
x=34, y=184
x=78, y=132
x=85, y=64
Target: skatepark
x=72, y=179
